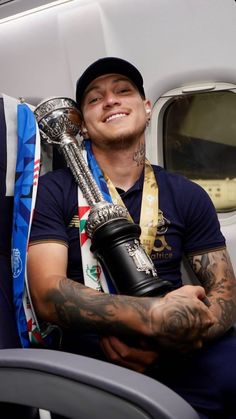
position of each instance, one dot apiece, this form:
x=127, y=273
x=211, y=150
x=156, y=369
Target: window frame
x=154, y=144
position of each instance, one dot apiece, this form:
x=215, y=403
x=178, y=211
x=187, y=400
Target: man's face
x=114, y=112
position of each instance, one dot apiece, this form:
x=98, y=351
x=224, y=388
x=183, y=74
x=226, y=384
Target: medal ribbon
x=149, y=208
x=94, y=276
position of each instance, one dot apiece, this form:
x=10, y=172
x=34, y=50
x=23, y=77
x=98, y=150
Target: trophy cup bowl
x=58, y=117
x=114, y=238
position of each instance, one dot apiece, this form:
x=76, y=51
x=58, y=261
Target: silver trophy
x=114, y=239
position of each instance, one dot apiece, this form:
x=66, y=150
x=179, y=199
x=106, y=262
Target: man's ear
x=148, y=108
x=83, y=131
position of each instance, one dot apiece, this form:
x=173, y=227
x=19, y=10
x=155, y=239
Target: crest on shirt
x=163, y=224
x=161, y=248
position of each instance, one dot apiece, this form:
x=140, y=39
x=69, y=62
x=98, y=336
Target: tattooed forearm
x=215, y=272
x=177, y=320
x=80, y=308
x=201, y=265
x=227, y=310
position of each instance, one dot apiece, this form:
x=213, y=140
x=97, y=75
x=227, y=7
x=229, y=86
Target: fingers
x=113, y=347
x=189, y=291
x=198, y=291
x=182, y=320
x=201, y=294
x=117, y=354
x=196, y=294
x=122, y=354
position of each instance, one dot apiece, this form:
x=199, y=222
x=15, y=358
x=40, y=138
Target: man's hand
x=184, y=320
x=180, y=321
x=119, y=352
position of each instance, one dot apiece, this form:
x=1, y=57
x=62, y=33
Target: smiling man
x=116, y=111
x=177, y=338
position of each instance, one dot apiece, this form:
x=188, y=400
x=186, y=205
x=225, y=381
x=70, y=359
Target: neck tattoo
x=139, y=155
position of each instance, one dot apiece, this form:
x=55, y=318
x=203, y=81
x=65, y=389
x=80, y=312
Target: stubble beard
x=121, y=142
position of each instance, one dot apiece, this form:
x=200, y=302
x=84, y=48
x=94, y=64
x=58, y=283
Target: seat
x=77, y=387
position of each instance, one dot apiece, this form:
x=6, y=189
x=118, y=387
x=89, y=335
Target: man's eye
x=93, y=100
x=124, y=90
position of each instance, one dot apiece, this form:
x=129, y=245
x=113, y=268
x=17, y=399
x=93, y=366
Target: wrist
x=151, y=327
x=137, y=315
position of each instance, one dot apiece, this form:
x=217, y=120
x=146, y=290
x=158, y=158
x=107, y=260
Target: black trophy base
x=116, y=245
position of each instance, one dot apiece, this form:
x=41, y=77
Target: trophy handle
x=46, y=139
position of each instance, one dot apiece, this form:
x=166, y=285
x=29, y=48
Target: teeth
x=117, y=115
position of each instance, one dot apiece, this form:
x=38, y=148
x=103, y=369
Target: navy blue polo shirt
x=187, y=224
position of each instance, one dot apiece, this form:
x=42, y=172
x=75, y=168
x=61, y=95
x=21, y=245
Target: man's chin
x=119, y=142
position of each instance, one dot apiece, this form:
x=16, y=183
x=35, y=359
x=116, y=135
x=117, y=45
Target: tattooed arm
x=175, y=331
x=169, y=321
x=215, y=272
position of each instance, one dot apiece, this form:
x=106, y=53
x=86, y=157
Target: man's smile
x=115, y=116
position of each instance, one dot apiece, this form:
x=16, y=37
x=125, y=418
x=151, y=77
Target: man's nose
x=111, y=99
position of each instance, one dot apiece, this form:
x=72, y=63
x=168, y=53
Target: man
x=176, y=338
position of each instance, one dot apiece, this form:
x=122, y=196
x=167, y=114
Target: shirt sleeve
x=203, y=231
x=53, y=207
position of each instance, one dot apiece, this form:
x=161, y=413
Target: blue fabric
x=22, y=209
x=96, y=172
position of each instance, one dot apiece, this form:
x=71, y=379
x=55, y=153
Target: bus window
x=199, y=142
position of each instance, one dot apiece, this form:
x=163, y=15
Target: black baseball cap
x=108, y=65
